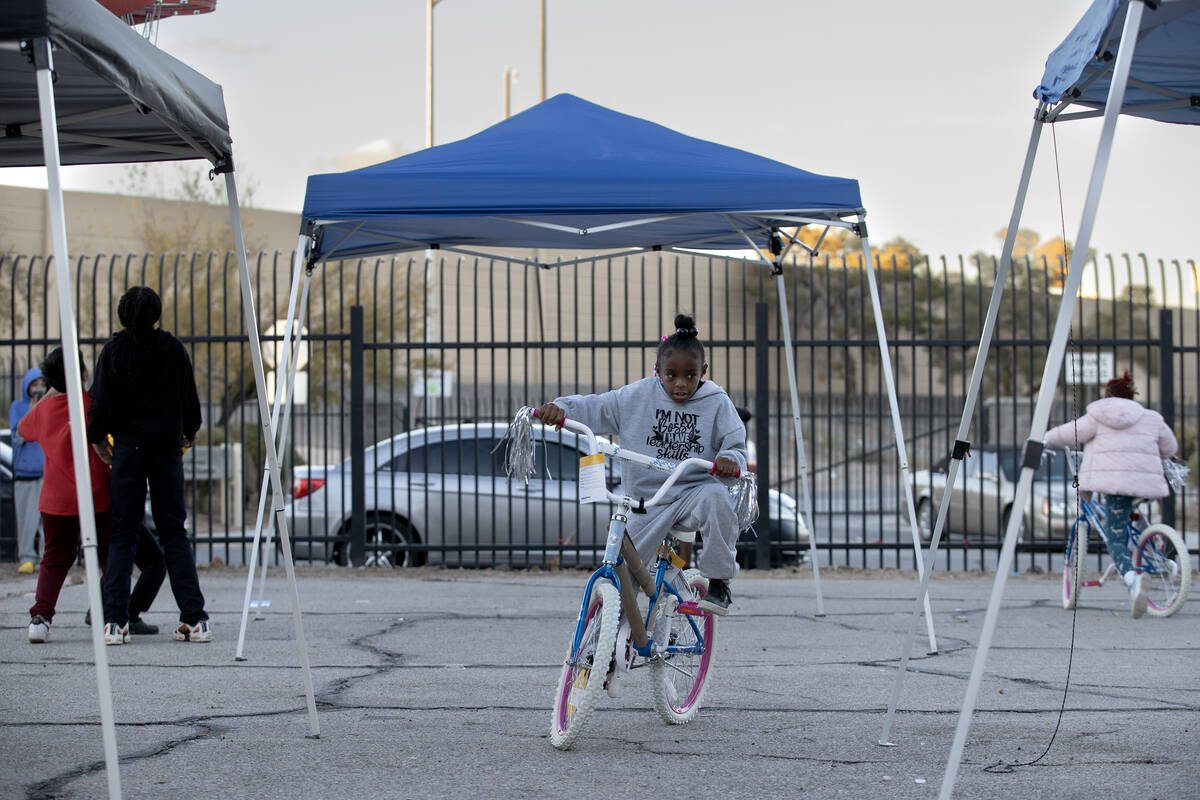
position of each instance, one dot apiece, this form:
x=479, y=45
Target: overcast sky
x=928, y=104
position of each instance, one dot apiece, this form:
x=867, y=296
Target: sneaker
x=39, y=630
x=717, y=599
x=1138, y=598
x=139, y=627
x=200, y=632
x=26, y=568
x=116, y=634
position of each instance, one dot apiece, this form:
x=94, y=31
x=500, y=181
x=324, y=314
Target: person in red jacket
x=48, y=424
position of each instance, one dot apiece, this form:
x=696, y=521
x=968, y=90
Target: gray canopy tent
x=77, y=86
x=1132, y=57
x=568, y=174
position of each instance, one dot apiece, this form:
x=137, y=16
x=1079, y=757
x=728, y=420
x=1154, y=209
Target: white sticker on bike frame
x=591, y=479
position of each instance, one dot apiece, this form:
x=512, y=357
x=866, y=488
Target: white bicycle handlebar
x=673, y=469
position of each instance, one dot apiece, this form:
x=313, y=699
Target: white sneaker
x=1138, y=598
x=39, y=630
x=200, y=632
x=116, y=634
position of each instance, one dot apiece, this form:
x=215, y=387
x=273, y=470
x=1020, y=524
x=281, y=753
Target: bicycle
x=675, y=637
x=1156, y=550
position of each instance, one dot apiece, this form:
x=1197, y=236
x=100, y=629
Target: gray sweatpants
x=706, y=508
x=25, y=498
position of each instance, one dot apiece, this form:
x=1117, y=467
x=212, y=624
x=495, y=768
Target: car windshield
x=1053, y=467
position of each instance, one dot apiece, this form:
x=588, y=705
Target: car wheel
x=925, y=520
x=382, y=532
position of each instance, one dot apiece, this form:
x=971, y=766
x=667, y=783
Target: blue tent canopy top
x=568, y=174
x=1164, y=80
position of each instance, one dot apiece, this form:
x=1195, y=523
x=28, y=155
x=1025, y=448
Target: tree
x=197, y=222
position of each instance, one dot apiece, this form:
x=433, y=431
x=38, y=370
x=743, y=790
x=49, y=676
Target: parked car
x=8, y=512
x=440, y=495
x=984, y=491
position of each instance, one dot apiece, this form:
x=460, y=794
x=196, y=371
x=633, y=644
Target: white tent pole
x=284, y=429
x=889, y=380
x=79, y=445
x=962, y=445
x=805, y=495
x=801, y=461
x=1033, y=446
x=262, y=495
x=260, y=383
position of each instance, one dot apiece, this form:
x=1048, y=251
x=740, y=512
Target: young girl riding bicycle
x=676, y=414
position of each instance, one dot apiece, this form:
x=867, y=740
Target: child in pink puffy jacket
x=1124, y=445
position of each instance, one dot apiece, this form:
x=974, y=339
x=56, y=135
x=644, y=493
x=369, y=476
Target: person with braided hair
x=144, y=396
x=1123, y=447
x=676, y=414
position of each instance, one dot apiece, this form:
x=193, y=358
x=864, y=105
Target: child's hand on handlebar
x=726, y=468
x=551, y=414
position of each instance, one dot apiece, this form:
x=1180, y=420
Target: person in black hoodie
x=144, y=396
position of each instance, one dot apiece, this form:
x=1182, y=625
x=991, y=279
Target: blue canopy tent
x=571, y=175
x=78, y=86
x=1132, y=57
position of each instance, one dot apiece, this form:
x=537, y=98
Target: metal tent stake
x=1045, y=398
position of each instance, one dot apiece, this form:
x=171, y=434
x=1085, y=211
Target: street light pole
x=429, y=4
x=543, y=32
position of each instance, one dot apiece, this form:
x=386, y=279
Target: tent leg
x=1045, y=398
x=262, y=495
x=901, y=452
x=805, y=496
x=962, y=445
x=269, y=443
x=293, y=363
x=79, y=445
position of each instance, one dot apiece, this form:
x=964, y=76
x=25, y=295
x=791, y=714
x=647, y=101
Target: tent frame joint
x=961, y=448
x=1031, y=457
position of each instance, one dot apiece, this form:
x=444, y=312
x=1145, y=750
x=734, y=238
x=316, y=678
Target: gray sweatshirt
x=647, y=420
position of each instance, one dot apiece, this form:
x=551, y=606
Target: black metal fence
x=395, y=345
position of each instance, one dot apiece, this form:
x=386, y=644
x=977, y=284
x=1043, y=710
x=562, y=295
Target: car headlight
x=1056, y=509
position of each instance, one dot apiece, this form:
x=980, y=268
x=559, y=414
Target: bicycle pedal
x=692, y=608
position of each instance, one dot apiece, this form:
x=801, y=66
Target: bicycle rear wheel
x=1162, y=558
x=1073, y=563
x=583, y=674
x=679, y=679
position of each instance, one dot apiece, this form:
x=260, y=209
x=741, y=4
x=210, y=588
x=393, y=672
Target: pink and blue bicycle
x=1157, y=551
x=613, y=633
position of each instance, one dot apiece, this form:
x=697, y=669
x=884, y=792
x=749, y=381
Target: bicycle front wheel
x=680, y=678
x=583, y=673
x=1162, y=559
x=1073, y=564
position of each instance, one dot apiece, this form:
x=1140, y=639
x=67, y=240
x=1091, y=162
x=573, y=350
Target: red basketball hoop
x=148, y=12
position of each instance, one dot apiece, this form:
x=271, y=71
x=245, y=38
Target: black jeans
x=133, y=466
x=148, y=557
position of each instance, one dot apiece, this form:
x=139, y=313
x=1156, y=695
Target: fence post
x=1166, y=392
x=358, y=492
x=762, y=433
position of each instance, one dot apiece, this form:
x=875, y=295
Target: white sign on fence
x=433, y=383
x=1091, y=367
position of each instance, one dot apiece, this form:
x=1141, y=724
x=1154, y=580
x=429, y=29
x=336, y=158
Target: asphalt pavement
x=438, y=683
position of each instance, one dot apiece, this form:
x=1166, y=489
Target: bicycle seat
x=683, y=535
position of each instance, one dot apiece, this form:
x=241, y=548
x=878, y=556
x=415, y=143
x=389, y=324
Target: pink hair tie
x=664, y=338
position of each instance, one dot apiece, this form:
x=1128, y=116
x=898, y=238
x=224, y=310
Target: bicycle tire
x=1162, y=557
x=580, y=684
x=1076, y=556
x=679, y=680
